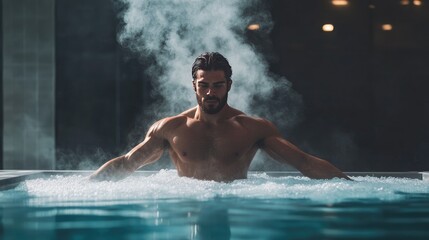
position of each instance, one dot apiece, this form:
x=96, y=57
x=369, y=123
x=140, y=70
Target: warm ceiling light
x=387, y=27
x=340, y=2
x=405, y=2
x=253, y=27
x=328, y=27
x=417, y=2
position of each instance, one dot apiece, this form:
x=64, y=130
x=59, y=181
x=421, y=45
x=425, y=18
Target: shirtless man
x=214, y=141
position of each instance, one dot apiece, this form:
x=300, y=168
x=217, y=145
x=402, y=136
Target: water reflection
x=213, y=222
x=218, y=218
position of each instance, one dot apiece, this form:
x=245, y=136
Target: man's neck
x=212, y=118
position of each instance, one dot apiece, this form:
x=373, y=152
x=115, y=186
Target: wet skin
x=214, y=141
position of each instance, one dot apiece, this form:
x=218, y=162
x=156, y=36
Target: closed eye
x=203, y=85
x=219, y=85
x=215, y=85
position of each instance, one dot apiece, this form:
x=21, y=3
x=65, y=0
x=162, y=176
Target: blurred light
x=387, y=27
x=328, y=27
x=405, y=2
x=417, y=2
x=253, y=27
x=340, y=2
x=372, y=6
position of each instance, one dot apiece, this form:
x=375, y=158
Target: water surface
x=165, y=206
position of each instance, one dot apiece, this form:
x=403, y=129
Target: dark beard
x=213, y=110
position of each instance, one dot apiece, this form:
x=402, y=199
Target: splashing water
x=166, y=184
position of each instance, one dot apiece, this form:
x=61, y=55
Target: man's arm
x=150, y=150
x=284, y=151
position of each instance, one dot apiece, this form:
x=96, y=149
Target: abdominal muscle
x=211, y=168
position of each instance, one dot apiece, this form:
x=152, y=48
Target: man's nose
x=211, y=92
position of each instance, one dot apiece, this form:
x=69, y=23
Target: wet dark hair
x=211, y=61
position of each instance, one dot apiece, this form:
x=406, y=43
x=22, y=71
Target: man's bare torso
x=220, y=152
x=213, y=141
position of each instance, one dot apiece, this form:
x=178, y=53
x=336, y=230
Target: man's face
x=211, y=89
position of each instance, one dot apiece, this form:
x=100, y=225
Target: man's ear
x=229, y=84
x=193, y=84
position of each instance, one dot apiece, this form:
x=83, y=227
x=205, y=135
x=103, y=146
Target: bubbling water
x=166, y=184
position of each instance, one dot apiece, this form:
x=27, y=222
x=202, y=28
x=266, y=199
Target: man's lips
x=211, y=101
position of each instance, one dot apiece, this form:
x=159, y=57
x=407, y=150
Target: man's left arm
x=283, y=151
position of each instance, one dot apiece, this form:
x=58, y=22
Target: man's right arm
x=150, y=150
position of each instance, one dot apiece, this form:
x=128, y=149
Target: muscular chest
x=219, y=143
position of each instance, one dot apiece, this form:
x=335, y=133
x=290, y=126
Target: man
x=214, y=141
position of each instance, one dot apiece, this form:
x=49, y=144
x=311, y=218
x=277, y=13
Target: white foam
x=167, y=185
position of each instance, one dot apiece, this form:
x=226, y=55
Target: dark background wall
x=364, y=89
x=101, y=87
x=1, y=86
x=363, y=84
x=332, y=72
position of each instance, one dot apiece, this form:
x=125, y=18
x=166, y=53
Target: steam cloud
x=170, y=34
x=173, y=33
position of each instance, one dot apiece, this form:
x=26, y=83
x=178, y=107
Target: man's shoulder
x=165, y=126
x=260, y=126
x=246, y=119
x=173, y=121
